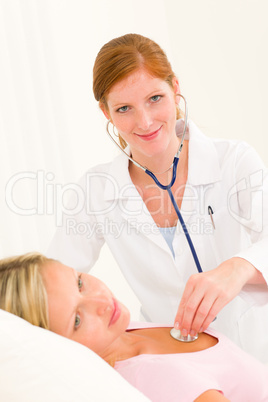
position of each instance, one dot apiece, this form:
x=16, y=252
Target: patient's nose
x=99, y=304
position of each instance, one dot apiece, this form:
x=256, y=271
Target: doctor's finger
x=185, y=297
x=207, y=311
x=215, y=309
x=187, y=293
x=190, y=310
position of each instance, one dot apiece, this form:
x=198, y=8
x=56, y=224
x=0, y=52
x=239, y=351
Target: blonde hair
x=124, y=55
x=22, y=290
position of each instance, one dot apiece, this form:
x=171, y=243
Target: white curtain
x=51, y=130
x=50, y=124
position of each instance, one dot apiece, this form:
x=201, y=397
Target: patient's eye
x=80, y=282
x=77, y=321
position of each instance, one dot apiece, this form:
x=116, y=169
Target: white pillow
x=37, y=365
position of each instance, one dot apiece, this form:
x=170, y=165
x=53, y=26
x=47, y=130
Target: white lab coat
x=226, y=175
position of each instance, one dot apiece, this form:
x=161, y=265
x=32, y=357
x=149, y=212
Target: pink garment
x=185, y=376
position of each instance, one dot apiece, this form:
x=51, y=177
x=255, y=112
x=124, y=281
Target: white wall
x=220, y=54
x=51, y=124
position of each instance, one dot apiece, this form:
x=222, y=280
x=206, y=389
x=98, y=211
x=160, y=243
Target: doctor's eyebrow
x=157, y=91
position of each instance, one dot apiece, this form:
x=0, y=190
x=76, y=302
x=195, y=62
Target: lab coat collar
x=203, y=165
x=203, y=162
x=134, y=210
x=119, y=172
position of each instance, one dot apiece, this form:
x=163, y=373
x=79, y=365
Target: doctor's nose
x=144, y=119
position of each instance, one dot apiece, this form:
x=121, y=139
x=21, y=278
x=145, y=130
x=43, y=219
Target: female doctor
x=221, y=189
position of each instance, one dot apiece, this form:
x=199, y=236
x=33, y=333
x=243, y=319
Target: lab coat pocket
x=224, y=234
x=215, y=234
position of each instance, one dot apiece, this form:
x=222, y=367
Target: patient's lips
x=116, y=313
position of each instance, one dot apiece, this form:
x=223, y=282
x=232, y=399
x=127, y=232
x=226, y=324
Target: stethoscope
x=176, y=334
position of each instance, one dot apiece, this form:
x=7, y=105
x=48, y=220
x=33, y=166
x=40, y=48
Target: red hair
x=124, y=55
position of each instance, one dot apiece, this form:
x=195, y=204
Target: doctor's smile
x=149, y=136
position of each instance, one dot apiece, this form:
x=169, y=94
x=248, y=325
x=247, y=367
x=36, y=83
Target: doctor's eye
x=156, y=98
x=123, y=109
x=77, y=321
x=80, y=282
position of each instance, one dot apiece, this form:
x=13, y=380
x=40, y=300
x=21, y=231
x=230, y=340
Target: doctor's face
x=143, y=109
x=82, y=308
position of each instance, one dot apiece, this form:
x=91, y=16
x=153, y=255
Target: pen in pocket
x=210, y=212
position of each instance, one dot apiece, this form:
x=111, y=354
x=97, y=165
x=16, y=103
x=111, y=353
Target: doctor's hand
x=206, y=293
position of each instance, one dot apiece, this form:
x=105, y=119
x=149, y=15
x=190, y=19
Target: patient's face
x=83, y=309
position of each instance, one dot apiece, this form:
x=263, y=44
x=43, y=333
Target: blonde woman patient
x=80, y=307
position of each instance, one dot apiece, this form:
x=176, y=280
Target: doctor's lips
x=149, y=136
x=115, y=314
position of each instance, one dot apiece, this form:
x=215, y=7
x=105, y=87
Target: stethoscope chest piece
x=176, y=334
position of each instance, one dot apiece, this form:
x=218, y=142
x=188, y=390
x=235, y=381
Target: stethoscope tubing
x=169, y=186
x=177, y=210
